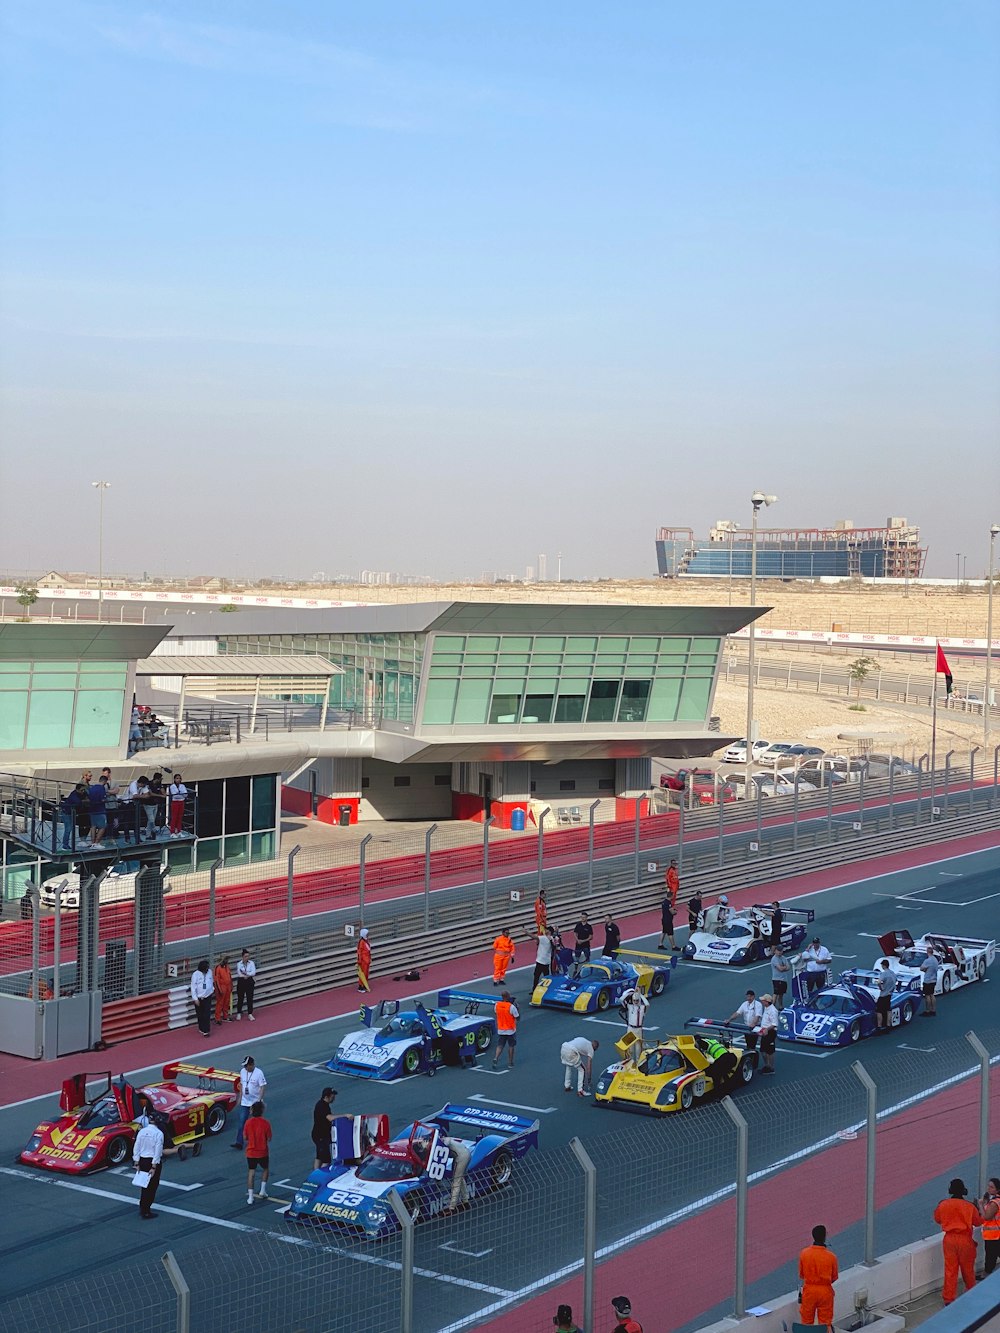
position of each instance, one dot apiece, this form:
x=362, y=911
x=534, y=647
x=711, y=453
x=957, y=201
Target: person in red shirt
x=364, y=961
x=622, y=1307
x=673, y=883
x=956, y=1217
x=818, y=1272
x=258, y=1140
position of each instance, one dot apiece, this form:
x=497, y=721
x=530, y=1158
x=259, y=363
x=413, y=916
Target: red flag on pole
x=943, y=669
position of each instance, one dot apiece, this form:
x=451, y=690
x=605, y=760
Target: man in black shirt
x=584, y=933
x=612, y=938
x=694, y=911
x=323, y=1118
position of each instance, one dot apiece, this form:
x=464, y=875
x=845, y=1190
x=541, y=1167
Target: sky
x=433, y=288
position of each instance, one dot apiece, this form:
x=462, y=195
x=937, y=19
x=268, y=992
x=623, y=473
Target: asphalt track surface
x=54, y=1233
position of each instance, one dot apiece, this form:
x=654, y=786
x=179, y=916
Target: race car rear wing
x=650, y=958
x=804, y=915
x=723, y=1027
x=207, y=1075
x=481, y=1117
x=472, y=999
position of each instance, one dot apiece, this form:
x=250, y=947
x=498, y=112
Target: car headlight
x=89, y=1154
x=688, y=951
x=739, y=955
x=301, y=1199
x=34, y=1143
x=603, y=1083
x=839, y=1029
x=783, y=1023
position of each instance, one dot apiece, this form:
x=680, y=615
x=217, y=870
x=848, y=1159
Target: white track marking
x=129, y=1171
x=512, y=1106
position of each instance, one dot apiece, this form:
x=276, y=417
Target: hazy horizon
x=433, y=290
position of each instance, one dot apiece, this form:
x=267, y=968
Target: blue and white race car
x=419, y=1164
x=395, y=1041
x=594, y=987
x=844, y=1012
x=745, y=936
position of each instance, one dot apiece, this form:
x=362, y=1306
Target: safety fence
x=693, y=1217
x=407, y=889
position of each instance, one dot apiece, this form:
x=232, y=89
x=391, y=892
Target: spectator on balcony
x=178, y=795
x=159, y=792
x=83, y=817
x=69, y=810
x=134, y=733
x=97, y=801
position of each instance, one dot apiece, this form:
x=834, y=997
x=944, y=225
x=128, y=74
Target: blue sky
x=433, y=288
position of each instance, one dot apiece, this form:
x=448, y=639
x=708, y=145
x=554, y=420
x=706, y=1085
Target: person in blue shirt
x=98, y=795
x=69, y=808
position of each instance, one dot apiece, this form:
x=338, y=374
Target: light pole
x=958, y=568
x=100, y=487
x=756, y=500
x=994, y=531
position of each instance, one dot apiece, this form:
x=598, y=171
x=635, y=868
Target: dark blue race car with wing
x=396, y=1042
x=844, y=1012
x=420, y=1165
x=591, y=988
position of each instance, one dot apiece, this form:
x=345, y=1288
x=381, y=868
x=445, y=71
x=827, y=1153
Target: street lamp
x=756, y=500
x=994, y=531
x=100, y=487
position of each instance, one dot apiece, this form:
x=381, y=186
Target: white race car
x=117, y=886
x=744, y=936
x=960, y=961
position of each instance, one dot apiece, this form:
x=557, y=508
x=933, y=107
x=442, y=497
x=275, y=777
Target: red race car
x=98, y=1123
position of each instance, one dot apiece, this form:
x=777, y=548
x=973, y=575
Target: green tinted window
x=262, y=803
x=13, y=714
x=694, y=699
x=537, y=708
x=53, y=680
x=50, y=718
x=504, y=708
x=664, y=699
x=515, y=643
x=98, y=717
x=439, y=703
x=643, y=645
x=473, y=701
x=448, y=643
x=569, y=707
x=484, y=643
x=634, y=701
x=581, y=643
x=603, y=700
x=549, y=643
x=12, y=682
x=14, y=666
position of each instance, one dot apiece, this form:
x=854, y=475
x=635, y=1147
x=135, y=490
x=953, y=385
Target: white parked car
x=960, y=960
x=737, y=752
x=774, y=751
x=117, y=886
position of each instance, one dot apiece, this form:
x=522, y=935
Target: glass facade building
x=61, y=705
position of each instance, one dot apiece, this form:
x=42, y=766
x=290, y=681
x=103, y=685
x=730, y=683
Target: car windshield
x=662, y=1062
x=831, y=1004
x=593, y=973
x=103, y=1112
x=376, y=1167
x=736, y=930
x=400, y=1026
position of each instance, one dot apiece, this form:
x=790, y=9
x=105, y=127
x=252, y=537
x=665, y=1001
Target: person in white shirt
x=768, y=1033
x=543, y=957
x=147, y=1154
x=177, y=793
x=246, y=974
x=578, y=1054
x=635, y=1005
x=749, y=1012
x=817, y=959
x=202, y=990
x=722, y=911
x=252, y=1085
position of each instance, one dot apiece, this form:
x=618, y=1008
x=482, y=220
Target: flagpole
x=933, y=741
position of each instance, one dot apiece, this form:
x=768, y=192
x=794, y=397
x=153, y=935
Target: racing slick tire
x=484, y=1037
x=855, y=1031
x=196, y=1148
x=657, y=984
x=980, y=969
x=687, y=1097
x=946, y=983
x=411, y=1060
x=215, y=1121
x=603, y=1000
x=182, y=1153
x=746, y=1072
x=502, y=1170
x=906, y=1011
x=118, y=1150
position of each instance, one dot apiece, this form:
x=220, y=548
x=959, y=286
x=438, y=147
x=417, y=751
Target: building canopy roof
x=217, y=666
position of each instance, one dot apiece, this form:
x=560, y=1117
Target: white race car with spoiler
x=960, y=960
x=744, y=936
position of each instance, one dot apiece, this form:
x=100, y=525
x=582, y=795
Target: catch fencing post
x=180, y=1286
x=742, y=1170
x=638, y=818
x=795, y=815
x=972, y=778
x=760, y=818
x=362, y=859
x=871, y=1116
x=722, y=833
x=406, y=1225
x=541, y=846
x=829, y=812
x=892, y=790
x=36, y=926
x=947, y=784
x=984, y=1110
x=57, y=936
x=291, y=894
x=861, y=803
x=213, y=870
x=589, y=1228
x=590, y=848
x=680, y=833
x=491, y=819
x=920, y=786
x=427, y=875
x=996, y=766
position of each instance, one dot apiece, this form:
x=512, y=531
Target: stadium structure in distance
x=843, y=551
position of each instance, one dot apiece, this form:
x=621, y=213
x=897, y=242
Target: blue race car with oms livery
x=419, y=1164
x=844, y=1012
x=411, y=1041
x=594, y=987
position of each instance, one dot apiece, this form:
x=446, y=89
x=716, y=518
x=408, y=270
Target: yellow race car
x=675, y=1073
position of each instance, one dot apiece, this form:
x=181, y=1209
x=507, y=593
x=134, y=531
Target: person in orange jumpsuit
x=541, y=914
x=223, y=989
x=818, y=1272
x=503, y=955
x=364, y=960
x=956, y=1217
x=673, y=883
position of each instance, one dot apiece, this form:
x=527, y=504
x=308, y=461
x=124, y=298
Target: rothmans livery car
x=419, y=1165
x=594, y=987
x=679, y=1072
x=395, y=1042
x=960, y=960
x=844, y=1012
x=98, y=1124
x=745, y=936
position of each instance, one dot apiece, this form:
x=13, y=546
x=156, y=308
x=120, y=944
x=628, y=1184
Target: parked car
x=702, y=786
x=774, y=751
x=737, y=752
x=795, y=754
x=880, y=765
x=117, y=886
x=768, y=784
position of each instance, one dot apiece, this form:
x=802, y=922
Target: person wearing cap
x=503, y=955
x=562, y=1320
x=817, y=959
x=633, y=1008
x=252, y=1085
x=323, y=1119
x=749, y=1013
x=147, y=1154
x=622, y=1307
x=246, y=981
x=722, y=911
x=507, y=1015
x=956, y=1217
x=768, y=1032
x=364, y=960
x=781, y=970
x=818, y=1271
x=578, y=1054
